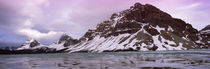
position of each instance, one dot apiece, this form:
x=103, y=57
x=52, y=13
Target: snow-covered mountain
x=60, y=45
x=139, y=28
x=30, y=44
x=33, y=45
x=64, y=42
x=205, y=32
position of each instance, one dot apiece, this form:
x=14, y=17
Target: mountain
x=33, y=46
x=64, y=42
x=140, y=28
x=205, y=32
x=30, y=44
x=8, y=47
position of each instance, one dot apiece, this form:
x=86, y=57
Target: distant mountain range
x=8, y=47
x=139, y=28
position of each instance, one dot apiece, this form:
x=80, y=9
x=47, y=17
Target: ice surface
x=191, y=59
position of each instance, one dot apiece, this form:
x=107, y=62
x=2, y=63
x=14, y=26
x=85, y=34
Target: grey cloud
x=9, y=18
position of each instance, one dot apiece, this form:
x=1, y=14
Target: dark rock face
x=154, y=48
x=151, y=31
x=67, y=40
x=43, y=50
x=155, y=17
x=132, y=18
x=146, y=14
x=64, y=38
x=34, y=43
x=89, y=34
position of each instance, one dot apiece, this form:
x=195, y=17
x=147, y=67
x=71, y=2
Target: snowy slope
x=129, y=42
x=57, y=46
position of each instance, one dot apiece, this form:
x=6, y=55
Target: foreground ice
x=192, y=59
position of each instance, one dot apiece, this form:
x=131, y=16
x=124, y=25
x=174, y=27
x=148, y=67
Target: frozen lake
x=191, y=59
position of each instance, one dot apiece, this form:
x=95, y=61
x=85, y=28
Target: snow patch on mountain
x=57, y=46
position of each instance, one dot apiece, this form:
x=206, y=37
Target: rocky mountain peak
x=145, y=17
x=67, y=40
x=143, y=13
x=64, y=38
x=32, y=42
x=29, y=44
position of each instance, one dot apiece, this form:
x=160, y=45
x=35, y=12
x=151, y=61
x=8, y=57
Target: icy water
x=191, y=59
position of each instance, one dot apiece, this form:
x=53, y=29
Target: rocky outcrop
x=139, y=28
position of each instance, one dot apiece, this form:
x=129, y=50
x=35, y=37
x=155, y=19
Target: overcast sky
x=47, y=20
